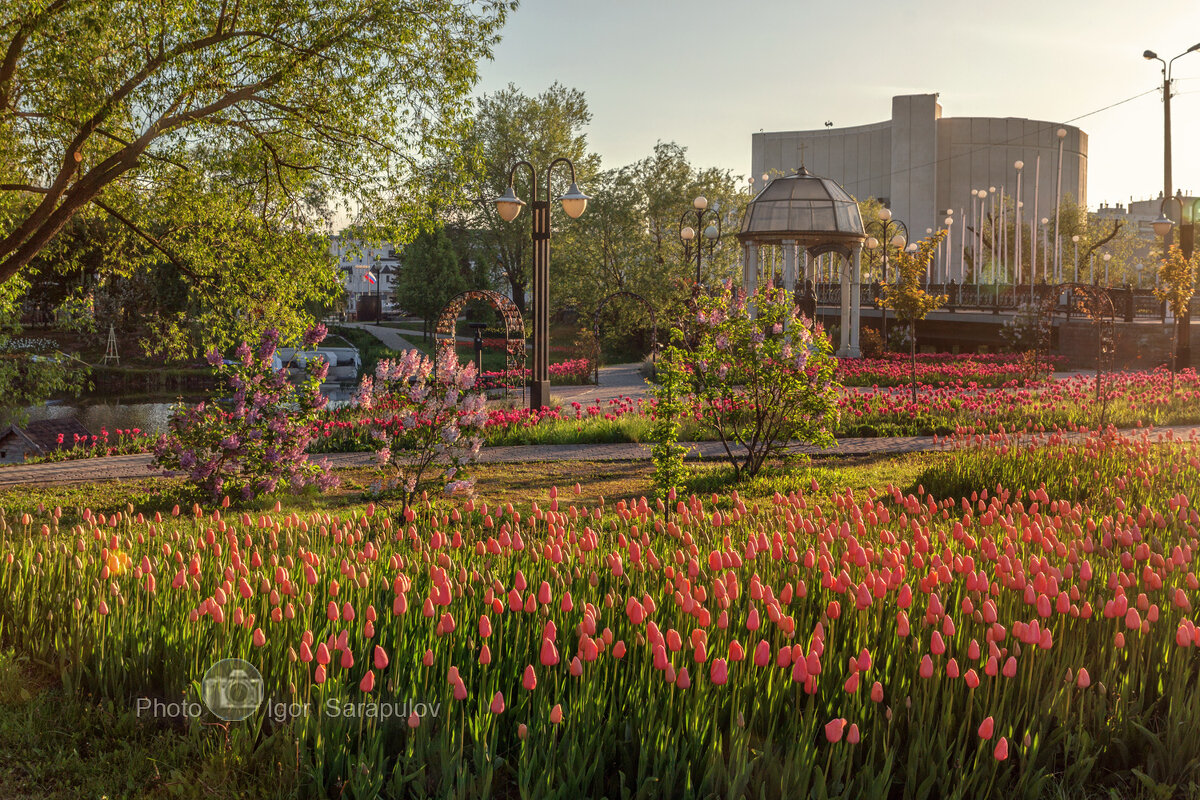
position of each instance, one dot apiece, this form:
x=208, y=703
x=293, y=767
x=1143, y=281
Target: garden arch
x=596, y=325
x=1086, y=300
x=514, y=330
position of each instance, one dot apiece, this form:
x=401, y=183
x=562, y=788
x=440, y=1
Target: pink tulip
x=682, y=680
x=877, y=692
x=834, y=729
x=556, y=714
x=926, y=670
x=498, y=703
x=381, y=659
x=529, y=680
x=853, y=737
x=986, y=728
x=719, y=672
x=367, y=684
x=414, y=720
x=1083, y=680
x=1001, y=751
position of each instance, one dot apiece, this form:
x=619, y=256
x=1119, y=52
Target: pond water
x=149, y=416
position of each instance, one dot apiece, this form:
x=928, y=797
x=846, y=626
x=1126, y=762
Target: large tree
x=510, y=126
x=177, y=116
x=628, y=240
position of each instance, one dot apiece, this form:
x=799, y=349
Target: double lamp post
x=1163, y=225
x=509, y=206
x=688, y=235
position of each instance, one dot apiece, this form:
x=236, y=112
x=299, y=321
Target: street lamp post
x=893, y=232
x=1018, y=166
x=1075, y=239
x=1183, y=350
x=1163, y=227
x=688, y=234
x=509, y=206
x=1061, y=133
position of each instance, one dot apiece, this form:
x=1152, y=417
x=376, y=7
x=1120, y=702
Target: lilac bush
x=259, y=442
x=427, y=420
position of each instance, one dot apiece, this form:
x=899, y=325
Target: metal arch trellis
x=1086, y=300
x=596, y=325
x=514, y=331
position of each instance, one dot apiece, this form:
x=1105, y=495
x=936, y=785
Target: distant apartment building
x=367, y=270
x=921, y=164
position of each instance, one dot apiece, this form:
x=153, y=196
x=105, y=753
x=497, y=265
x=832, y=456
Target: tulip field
x=1019, y=623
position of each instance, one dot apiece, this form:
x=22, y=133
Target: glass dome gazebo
x=806, y=217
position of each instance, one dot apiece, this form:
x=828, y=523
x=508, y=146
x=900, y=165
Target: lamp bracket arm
x=512, y=173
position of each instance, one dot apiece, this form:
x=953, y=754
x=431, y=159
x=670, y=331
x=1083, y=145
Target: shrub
x=259, y=442
x=436, y=422
x=669, y=393
x=762, y=378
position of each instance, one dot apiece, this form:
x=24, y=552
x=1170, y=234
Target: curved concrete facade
x=921, y=163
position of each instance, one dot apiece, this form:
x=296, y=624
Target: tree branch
x=153, y=242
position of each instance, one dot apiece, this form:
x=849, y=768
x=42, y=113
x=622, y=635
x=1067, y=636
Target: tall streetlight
x=1046, y=276
x=1163, y=226
x=890, y=232
x=687, y=234
x=1018, y=166
x=1075, y=240
x=509, y=206
x=1183, y=351
x=1061, y=133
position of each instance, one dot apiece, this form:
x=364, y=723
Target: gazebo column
x=855, y=300
x=750, y=268
x=845, y=321
x=789, y=266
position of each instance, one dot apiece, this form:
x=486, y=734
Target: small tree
x=906, y=297
x=429, y=276
x=669, y=391
x=1177, y=284
x=762, y=378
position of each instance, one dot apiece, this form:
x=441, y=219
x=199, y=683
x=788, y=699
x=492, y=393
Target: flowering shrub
x=259, y=443
x=762, y=378
x=433, y=421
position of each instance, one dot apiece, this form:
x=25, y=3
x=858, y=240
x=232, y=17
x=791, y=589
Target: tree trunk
x=518, y=293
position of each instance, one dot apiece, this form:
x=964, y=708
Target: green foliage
x=669, y=391
x=628, y=240
x=509, y=126
x=216, y=135
x=762, y=379
x=1177, y=279
x=429, y=276
x=30, y=373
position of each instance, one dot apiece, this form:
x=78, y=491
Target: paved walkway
x=389, y=336
x=134, y=467
x=138, y=466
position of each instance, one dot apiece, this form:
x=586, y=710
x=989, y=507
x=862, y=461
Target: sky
x=709, y=74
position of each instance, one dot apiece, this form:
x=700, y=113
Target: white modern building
x=367, y=269
x=922, y=165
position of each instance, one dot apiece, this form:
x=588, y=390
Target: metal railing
x=1128, y=303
